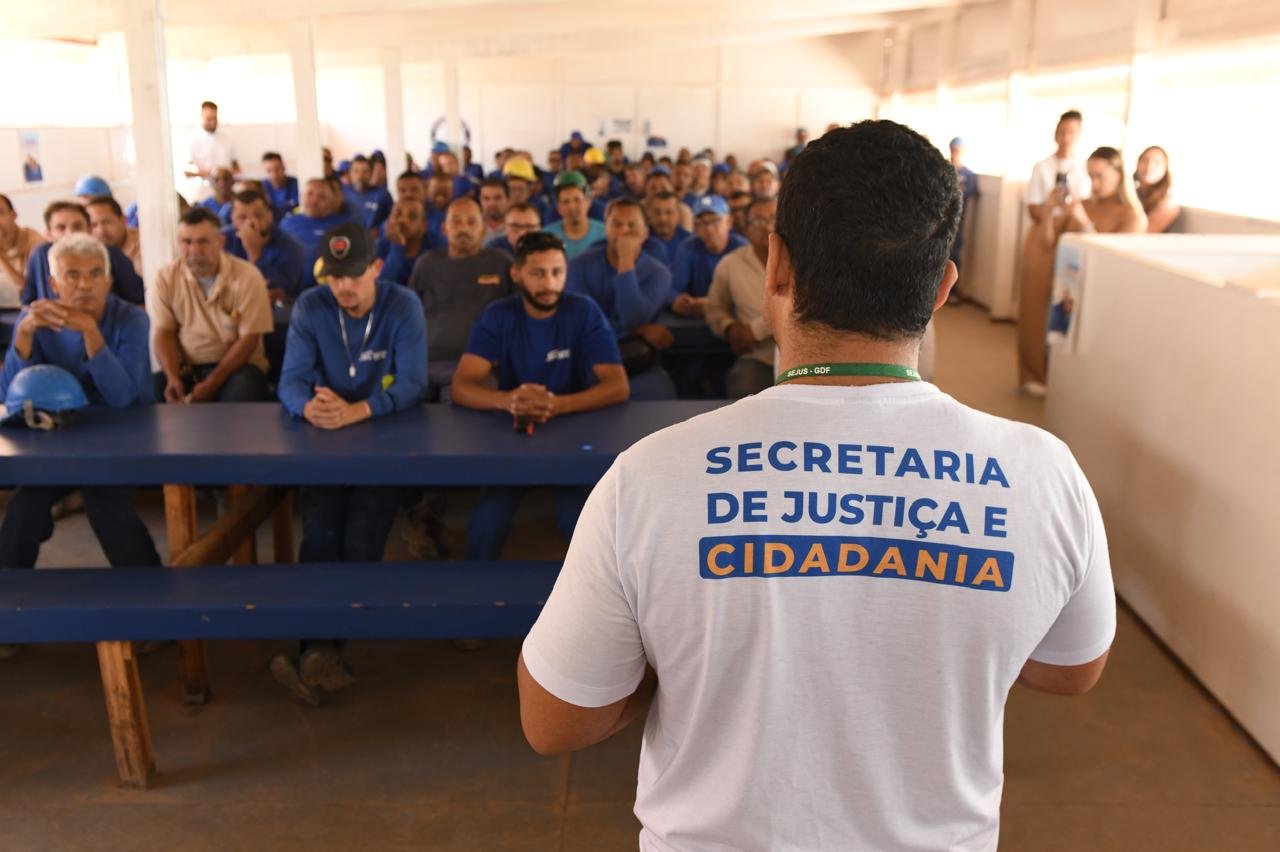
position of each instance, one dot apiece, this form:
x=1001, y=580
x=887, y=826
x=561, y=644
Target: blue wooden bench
x=385, y=600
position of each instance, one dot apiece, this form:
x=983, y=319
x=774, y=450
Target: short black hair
x=200, y=215
x=7, y=202
x=408, y=173
x=377, y=157
x=209, y=105
x=359, y=158
x=868, y=214
x=272, y=155
x=249, y=196
x=621, y=203
x=107, y=201
x=495, y=182
x=59, y=206
x=613, y=143
x=665, y=196
x=1071, y=115
x=761, y=199
x=739, y=194
x=537, y=241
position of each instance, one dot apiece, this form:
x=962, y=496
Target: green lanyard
x=893, y=371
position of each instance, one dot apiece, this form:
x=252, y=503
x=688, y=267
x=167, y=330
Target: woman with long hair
x=1113, y=208
x=1153, y=180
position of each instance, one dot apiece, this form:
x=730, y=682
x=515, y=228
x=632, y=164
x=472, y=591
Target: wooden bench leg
x=127, y=713
x=247, y=552
x=282, y=531
x=180, y=521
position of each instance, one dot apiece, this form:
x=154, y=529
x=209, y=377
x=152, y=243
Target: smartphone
x=1062, y=180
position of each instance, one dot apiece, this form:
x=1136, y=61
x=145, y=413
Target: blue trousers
x=490, y=522
x=346, y=523
x=28, y=523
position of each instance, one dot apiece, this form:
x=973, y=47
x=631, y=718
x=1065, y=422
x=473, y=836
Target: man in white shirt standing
x=1062, y=167
x=828, y=589
x=210, y=148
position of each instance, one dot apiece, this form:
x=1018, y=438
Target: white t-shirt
x=848, y=691
x=1045, y=175
x=210, y=150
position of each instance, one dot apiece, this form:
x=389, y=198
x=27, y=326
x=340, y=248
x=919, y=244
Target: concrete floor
x=425, y=752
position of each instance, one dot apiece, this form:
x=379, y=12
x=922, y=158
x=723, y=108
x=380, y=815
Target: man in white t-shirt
x=828, y=589
x=1062, y=166
x=210, y=148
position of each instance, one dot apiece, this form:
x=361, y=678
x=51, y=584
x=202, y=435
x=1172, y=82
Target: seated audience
x=549, y=353
x=222, y=181
x=455, y=285
x=16, y=245
x=372, y=201
x=738, y=204
x=280, y=188
x=357, y=349
x=1153, y=181
x=322, y=209
x=108, y=226
x=254, y=236
x=764, y=180
x=735, y=304
x=696, y=258
x=659, y=181
x=575, y=228
x=439, y=195
x=520, y=220
x=406, y=240
x=62, y=218
x=493, y=205
x=663, y=213
x=410, y=187
x=84, y=328
x=378, y=168
x=209, y=312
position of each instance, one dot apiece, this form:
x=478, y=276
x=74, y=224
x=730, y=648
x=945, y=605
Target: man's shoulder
x=312, y=299
x=127, y=316
x=243, y=273
x=494, y=257
x=168, y=275
x=737, y=241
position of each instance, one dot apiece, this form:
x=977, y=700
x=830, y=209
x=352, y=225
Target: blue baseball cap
x=576, y=136
x=660, y=170
x=956, y=143
x=710, y=204
x=440, y=148
x=721, y=169
x=343, y=167
x=91, y=185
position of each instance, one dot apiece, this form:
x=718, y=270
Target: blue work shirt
x=390, y=369
x=309, y=232
x=397, y=263
x=281, y=261
x=283, y=201
x=125, y=281
x=628, y=299
x=573, y=248
x=374, y=204
x=502, y=243
x=119, y=374
x=693, y=266
x=669, y=246
x=559, y=352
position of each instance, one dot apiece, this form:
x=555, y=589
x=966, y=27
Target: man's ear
x=778, y=275
x=949, y=276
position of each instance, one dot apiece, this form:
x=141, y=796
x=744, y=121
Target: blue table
x=258, y=443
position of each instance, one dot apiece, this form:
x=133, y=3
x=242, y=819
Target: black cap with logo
x=345, y=251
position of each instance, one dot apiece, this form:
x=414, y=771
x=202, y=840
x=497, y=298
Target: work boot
x=7, y=651
x=322, y=667
x=286, y=674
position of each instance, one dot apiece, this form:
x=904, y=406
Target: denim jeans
x=28, y=523
x=247, y=384
x=490, y=522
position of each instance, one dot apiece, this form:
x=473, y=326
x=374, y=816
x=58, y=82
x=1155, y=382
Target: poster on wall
x=29, y=156
x=1064, y=305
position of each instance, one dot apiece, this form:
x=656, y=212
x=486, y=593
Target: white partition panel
x=1169, y=402
x=683, y=115
x=758, y=121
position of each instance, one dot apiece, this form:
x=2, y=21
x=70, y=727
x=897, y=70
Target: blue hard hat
x=91, y=185
x=43, y=388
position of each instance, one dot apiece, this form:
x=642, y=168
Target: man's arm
x=409, y=349
x=165, y=344
x=300, y=371
x=639, y=294
x=553, y=726
x=610, y=388
x=233, y=359
x=122, y=376
x=719, y=312
x=1063, y=680
x=469, y=389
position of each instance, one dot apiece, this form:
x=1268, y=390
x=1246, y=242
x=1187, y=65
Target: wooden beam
x=152, y=142
x=282, y=531
x=180, y=523
x=247, y=552
x=310, y=141
x=127, y=714
x=253, y=506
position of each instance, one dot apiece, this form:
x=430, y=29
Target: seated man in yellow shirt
x=209, y=312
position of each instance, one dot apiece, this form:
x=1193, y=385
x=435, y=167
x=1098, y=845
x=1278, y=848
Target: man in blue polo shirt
x=281, y=189
x=573, y=201
x=254, y=236
x=406, y=240
x=373, y=202
x=357, y=349
x=102, y=341
x=696, y=258
x=62, y=218
x=550, y=353
x=663, y=213
x=322, y=208
x=519, y=220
